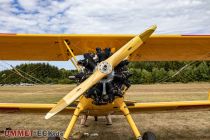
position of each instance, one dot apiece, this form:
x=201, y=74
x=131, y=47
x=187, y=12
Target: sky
x=102, y=16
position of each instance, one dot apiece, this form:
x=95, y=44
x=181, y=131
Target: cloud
x=28, y=5
x=93, y=16
x=116, y=16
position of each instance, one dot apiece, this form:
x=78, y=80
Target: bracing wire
x=182, y=69
x=19, y=72
x=15, y=73
x=28, y=75
x=177, y=73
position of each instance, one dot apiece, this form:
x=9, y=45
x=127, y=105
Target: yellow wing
x=51, y=47
x=167, y=106
x=31, y=107
x=135, y=107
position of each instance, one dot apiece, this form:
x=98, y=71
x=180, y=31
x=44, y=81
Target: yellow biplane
x=103, y=74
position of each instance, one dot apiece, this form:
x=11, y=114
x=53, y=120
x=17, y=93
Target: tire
x=149, y=136
x=53, y=138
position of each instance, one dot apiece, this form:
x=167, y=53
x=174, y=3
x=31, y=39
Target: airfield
x=168, y=125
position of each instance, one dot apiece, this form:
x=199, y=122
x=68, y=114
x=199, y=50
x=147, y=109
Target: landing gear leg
x=80, y=107
x=121, y=104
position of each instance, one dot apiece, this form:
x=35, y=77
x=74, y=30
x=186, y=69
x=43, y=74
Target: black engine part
x=112, y=86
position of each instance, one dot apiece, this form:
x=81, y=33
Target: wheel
x=53, y=138
x=149, y=136
x=96, y=118
x=8, y=128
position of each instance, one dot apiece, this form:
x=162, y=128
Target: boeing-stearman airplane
x=103, y=73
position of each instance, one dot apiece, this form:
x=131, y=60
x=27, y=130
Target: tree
x=146, y=76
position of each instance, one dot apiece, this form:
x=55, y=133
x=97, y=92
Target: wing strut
x=74, y=60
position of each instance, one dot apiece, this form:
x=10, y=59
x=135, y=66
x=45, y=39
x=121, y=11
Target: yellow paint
x=102, y=110
x=74, y=61
x=120, y=102
x=84, y=102
x=50, y=47
x=130, y=47
x=171, y=104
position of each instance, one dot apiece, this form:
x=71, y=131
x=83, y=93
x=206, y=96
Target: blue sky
x=103, y=16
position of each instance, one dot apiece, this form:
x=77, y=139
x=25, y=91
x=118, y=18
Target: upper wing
x=174, y=48
x=51, y=47
x=31, y=47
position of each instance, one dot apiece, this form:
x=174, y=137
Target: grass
x=166, y=125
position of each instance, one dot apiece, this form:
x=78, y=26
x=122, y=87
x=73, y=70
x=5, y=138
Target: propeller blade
x=104, y=68
x=130, y=47
x=75, y=93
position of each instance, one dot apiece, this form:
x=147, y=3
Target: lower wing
x=133, y=106
x=31, y=107
x=167, y=106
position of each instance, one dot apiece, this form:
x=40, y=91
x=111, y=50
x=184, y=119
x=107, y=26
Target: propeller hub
x=105, y=67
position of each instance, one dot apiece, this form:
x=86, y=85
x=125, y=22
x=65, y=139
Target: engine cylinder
x=110, y=87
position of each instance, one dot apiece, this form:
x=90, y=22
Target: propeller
x=103, y=69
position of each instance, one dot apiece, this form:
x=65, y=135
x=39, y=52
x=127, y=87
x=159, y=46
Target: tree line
x=39, y=73
x=159, y=72
x=142, y=72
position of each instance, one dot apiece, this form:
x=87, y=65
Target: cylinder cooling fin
x=113, y=85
